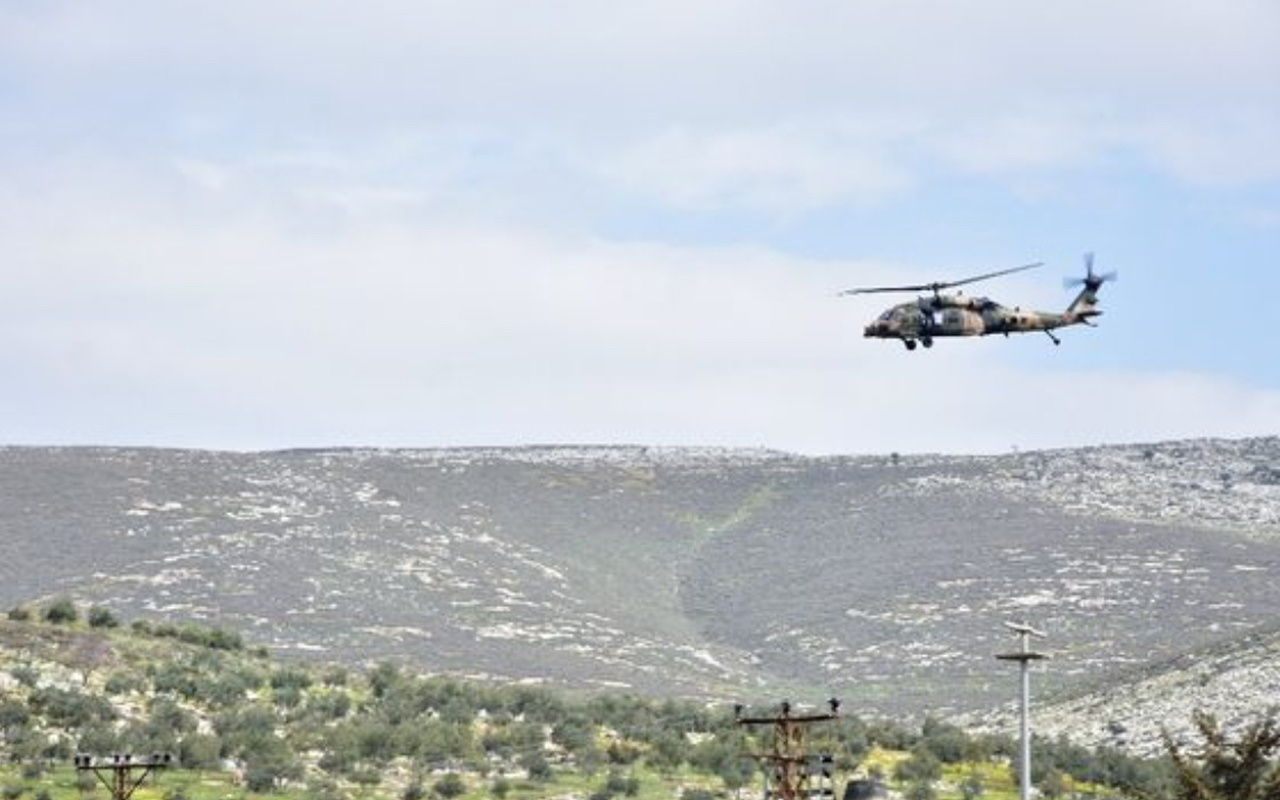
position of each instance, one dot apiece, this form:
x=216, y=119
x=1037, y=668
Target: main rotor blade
x=936, y=287
x=995, y=274
x=886, y=289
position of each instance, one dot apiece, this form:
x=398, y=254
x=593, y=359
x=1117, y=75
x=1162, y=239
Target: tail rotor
x=1091, y=280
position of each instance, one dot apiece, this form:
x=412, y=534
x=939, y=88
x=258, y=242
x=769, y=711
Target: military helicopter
x=937, y=314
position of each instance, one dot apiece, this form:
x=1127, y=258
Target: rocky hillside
x=688, y=572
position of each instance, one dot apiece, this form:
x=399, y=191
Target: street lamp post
x=1024, y=656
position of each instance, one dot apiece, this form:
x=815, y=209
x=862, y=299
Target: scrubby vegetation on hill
x=1227, y=768
x=239, y=723
x=696, y=573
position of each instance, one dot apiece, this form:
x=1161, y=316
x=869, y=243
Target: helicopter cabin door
x=960, y=322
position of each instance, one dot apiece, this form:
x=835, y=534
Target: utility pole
x=1024, y=656
x=788, y=768
x=117, y=772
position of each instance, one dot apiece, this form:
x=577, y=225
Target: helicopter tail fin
x=1085, y=305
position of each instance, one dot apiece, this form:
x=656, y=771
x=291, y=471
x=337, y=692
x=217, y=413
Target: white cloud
x=205, y=174
x=1218, y=150
x=149, y=326
x=784, y=170
x=749, y=97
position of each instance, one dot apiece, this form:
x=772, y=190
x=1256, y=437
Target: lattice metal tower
x=791, y=773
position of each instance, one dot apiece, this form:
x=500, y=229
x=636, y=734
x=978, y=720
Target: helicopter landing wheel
x=927, y=342
x=910, y=343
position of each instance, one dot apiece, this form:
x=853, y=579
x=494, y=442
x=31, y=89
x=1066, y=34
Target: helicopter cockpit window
x=886, y=316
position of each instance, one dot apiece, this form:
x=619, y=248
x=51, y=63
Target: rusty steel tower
x=117, y=772
x=790, y=772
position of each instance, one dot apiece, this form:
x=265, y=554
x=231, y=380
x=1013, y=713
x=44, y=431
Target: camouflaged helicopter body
x=936, y=315
x=957, y=315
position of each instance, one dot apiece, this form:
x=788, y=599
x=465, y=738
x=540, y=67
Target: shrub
x=537, y=766
x=199, y=751
x=100, y=617
x=668, y=753
x=98, y=737
x=413, y=791
x=223, y=639
x=971, y=788
x=330, y=705
x=287, y=697
x=450, y=786
x=271, y=766
x=122, y=683
x=945, y=741
x=921, y=790
x=1228, y=768
x=366, y=776
x=171, y=677
x=618, y=784
x=166, y=716
x=1053, y=784
x=213, y=638
x=70, y=708
x=20, y=614
x=225, y=691
x=573, y=734
x=290, y=677
x=248, y=732
x=323, y=789
x=13, y=714
x=922, y=767
x=382, y=678
x=623, y=753
x=335, y=675
x=61, y=611
x=25, y=675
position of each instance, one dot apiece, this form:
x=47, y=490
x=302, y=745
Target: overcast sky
x=253, y=224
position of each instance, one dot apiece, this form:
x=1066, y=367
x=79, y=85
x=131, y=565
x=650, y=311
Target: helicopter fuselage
x=930, y=317
x=938, y=314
